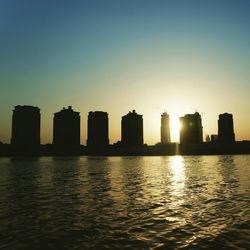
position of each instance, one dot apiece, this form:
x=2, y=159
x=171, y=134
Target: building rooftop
x=26, y=107
x=132, y=114
x=67, y=110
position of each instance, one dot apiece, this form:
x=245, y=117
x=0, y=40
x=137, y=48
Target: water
x=165, y=202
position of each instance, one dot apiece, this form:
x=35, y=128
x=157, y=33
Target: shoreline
x=240, y=148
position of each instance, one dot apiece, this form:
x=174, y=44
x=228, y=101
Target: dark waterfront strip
x=205, y=148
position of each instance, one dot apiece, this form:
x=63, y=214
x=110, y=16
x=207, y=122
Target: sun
x=174, y=128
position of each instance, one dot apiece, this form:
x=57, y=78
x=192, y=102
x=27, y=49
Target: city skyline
x=123, y=55
x=26, y=122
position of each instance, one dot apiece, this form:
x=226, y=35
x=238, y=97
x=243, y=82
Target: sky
x=178, y=56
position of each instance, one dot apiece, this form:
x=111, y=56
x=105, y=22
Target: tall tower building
x=191, y=129
x=66, y=129
x=26, y=127
x=165, y=129
x=132, y=129
x=226, y=128
x=98, y=130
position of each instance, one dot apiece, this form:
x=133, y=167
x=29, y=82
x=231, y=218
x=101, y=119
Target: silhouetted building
x=226, y=128
x=208, y=139
x=98, y=130
x=26, y=127
x=214, y=138
x=165, y=129
x=132, y=129
x=191, y=129
x=66, y=129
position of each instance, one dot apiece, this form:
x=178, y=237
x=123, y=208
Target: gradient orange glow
x=151, y=58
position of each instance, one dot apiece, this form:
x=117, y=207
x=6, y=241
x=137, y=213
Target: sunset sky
x=153, y=56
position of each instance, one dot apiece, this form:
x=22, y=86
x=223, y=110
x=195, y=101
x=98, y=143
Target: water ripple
x=125, y=203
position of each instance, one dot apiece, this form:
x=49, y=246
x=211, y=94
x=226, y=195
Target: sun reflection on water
x=176, y=194
x=177, y=170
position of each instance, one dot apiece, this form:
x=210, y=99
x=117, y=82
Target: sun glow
x=174, y=128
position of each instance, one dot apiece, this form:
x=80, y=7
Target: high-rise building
x=165, y=128
x=66, y=129
x=132, y=129
x=26, y=127
x=226, y=128
x=98, y=130
x=191, y=129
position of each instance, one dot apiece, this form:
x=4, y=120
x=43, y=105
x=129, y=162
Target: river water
x=169, y=202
